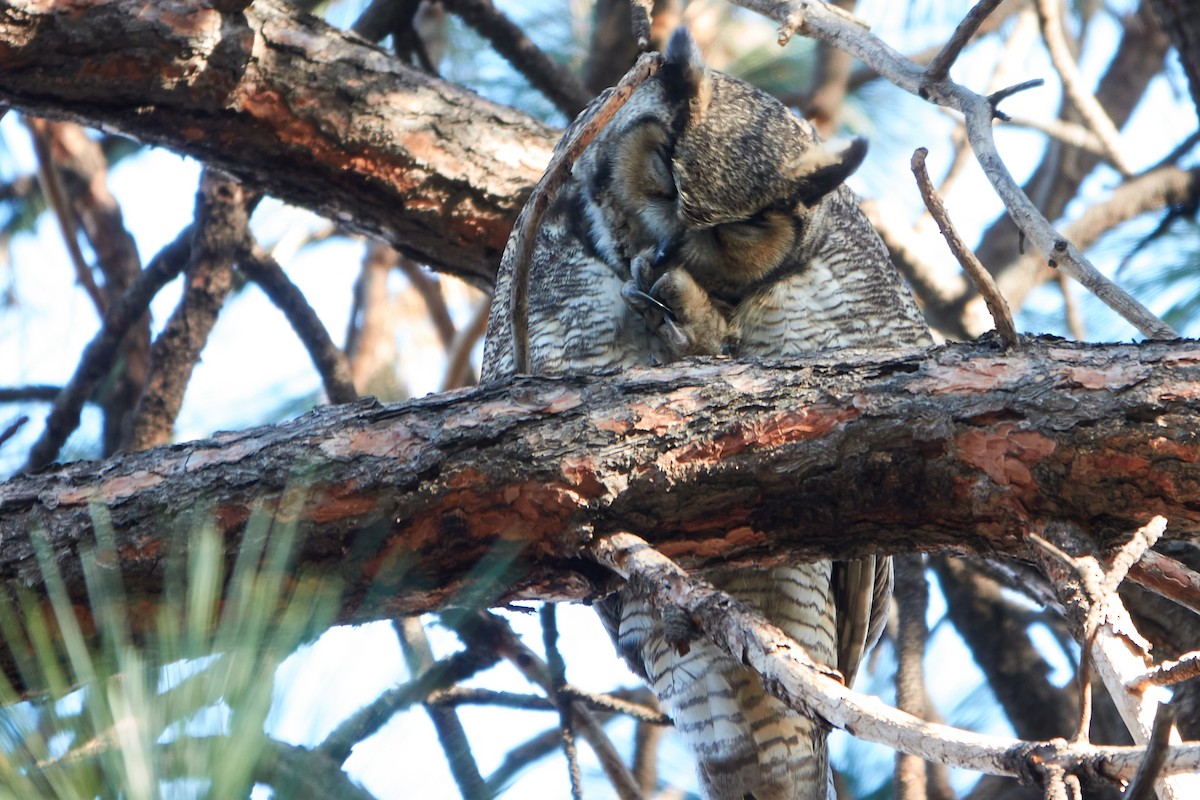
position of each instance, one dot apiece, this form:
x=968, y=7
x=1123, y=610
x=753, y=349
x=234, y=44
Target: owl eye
x=753, y=247
x=660, y=179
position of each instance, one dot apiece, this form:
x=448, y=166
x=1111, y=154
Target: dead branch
x=821, y=21
x=1050, y=18
x=970, y=264
x=790, y=675
x=330, y=362
x=520, y=247
x=1169, y=673
x=101, y=353
x=1116, y=649
x=219, y=238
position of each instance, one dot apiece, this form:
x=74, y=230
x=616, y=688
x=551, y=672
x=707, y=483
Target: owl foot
x=680, y=313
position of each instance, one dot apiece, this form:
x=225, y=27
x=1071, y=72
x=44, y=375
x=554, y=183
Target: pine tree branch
x=948, y=451
x=293, y=107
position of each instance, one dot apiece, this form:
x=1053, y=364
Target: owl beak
x=667, y=252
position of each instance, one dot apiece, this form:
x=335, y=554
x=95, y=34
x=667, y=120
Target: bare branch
x=450, y=732
x=373, y=716
x=911, y=593
x=330, y=362
x=1169, y=673
x=1167, y=577
x=220, y=237
x=56, y=197
x=939, y=68
x=1050, y=18
x=970, y=264
x=820, y=21
x=524, y=236
x=559, y=85
x=804, y=685
x=458, y=361
x=1068, y=133
x=489, y=630
x=1142, y=787
x=1117, y=650
x=435, y=302
x=100, y=354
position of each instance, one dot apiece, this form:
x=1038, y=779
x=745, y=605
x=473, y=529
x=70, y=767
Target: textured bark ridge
x=290, y=105
x=493, y=491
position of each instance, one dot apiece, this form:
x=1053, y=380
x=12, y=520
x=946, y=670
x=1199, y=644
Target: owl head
x=713, y=175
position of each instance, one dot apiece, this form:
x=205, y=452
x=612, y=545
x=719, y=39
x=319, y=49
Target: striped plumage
x=707, y=197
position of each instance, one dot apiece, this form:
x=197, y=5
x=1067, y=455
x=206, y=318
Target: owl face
x=703, y=171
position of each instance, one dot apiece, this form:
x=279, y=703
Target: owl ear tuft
x=684, y=72
x=821, y=169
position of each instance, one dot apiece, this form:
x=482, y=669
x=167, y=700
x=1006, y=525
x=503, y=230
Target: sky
x=253, y=365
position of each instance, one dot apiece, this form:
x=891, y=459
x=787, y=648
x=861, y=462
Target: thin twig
x=1132, y=551
x=524, y=235
x=329, y=360
x=558, y=678
x=35, y=393
x=995, y=98
x=521, y=756
x=970, y=264
x=101, y=352
x=1071, y=313
x=11, y=429
x=446, y=724
x=56, y=197
x=1091, y=579
x=559, y=85
x=911, y=593
x=1157, y=748
x=821, y=21
x=430, y=290
x=489, y=630
x=1169, y=673
x=373, y=716
x=939, y=68
x=1068, y=133
x=458, y=360
x=1118, y=652
x=610, y=702
x=1050, y=18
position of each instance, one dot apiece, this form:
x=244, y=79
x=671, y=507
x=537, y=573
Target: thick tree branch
x=730, y=463
x=291, y=106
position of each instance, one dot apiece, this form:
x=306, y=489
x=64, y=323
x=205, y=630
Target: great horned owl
x=707, y=218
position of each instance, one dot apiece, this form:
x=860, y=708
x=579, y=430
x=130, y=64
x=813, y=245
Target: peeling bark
x=291, y=106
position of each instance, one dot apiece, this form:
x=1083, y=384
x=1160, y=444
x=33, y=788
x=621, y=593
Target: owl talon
x=642, y=302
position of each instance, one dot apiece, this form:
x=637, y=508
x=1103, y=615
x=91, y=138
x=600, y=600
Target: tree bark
x=488, y=495
x=305, y=112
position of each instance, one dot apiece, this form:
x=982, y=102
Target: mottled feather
x=707, y=218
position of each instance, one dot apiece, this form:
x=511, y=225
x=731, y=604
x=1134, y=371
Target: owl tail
x=747, y=743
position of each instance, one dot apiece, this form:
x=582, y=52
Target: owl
x=706, y=218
